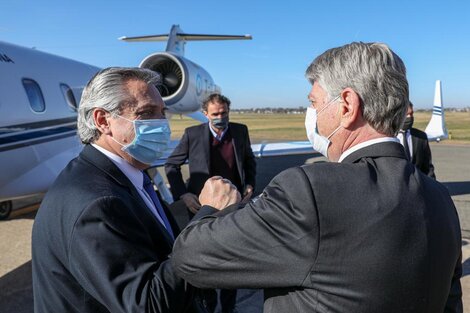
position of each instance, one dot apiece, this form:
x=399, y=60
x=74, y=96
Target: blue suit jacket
x=96, y=246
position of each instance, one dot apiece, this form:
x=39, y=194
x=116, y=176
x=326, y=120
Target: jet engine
x=184, y=83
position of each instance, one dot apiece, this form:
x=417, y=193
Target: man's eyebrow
x=146, y=107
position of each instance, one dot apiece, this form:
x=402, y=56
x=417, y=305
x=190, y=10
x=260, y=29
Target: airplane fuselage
x=39, y=93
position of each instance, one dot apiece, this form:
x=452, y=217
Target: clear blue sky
x=432, y=37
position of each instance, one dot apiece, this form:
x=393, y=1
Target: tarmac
x=452, y=167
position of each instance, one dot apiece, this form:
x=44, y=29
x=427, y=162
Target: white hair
x=375, y=73
x=105, y=90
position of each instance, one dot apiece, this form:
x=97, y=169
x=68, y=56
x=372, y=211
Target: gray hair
x=375, y=73
x=105, y=90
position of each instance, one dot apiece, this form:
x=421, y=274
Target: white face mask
x=319, y=142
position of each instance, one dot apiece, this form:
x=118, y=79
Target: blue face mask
x=220, y=123
x=150, y=141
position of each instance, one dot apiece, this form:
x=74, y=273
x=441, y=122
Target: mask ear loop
x=114, y=115
x=340, y=126
x=328, y=104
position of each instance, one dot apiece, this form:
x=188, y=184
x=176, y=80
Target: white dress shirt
x=408, y=139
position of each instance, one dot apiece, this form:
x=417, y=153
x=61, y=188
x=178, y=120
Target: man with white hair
x=102, y=236
x=365, y=233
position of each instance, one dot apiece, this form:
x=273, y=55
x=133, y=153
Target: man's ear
x=100, y=117
x=350, y=107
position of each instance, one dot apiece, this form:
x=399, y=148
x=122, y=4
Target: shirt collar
x=219, y=138
x=366, y=144
x=133, y=174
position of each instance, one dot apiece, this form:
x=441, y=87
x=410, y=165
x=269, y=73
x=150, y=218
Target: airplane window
x=36, y=99
x=69, y=97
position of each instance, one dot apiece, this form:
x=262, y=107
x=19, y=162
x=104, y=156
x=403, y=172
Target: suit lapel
x=104, y=164
x=414, y=147
x=206, y=144
x=149, y=216
x=236, y=142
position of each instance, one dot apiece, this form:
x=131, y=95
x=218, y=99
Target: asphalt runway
x=452, y=169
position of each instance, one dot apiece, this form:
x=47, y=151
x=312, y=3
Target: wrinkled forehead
x=217, y=106
x=139, y=95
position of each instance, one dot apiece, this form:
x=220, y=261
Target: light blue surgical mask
x=319, y=142
x=150, y=141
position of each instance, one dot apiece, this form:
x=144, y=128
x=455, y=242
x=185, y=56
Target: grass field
x=286, y=127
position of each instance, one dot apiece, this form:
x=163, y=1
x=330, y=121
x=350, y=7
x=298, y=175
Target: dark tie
x=405, y=145
x=148, y=187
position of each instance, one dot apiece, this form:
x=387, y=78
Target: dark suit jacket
x=194, y=146
x=370, y=234
x=421, y=152
x=96, y=246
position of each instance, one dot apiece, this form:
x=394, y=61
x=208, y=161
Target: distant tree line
x=302, y=109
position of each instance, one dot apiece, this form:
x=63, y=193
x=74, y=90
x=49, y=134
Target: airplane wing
x=261, y=150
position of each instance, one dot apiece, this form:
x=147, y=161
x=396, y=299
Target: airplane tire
x=5, y=209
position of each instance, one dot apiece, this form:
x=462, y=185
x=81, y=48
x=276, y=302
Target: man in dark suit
x=222, y=148
x=218, y=147
x=102, y=237
x=416, y=145
x=365, y=233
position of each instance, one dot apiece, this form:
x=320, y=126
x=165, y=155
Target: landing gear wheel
x=5, y=209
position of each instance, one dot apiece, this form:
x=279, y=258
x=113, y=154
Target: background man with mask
x=221, y=148
x=102, y=237
x=365, y=233
x=218, y=147
x=416, y=145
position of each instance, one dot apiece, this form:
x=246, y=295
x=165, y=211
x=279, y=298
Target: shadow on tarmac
x=17, y=290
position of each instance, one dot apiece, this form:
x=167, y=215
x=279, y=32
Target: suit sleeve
x=269, y=243
x=427, y=153
x=454, y=301
x=111, y=256
x=173, y=167
x=249, y=162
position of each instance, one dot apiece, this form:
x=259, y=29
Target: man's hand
x=191, y=202
x=219, y=193
x=247, y=193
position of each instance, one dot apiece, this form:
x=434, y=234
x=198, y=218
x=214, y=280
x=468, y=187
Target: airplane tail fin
x=176, y=39
x=436, y=129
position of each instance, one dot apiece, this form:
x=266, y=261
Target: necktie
x=148, y=187
x=405, y=145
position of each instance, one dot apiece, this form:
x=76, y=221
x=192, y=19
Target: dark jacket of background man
x=421, y=156
x=217, y=148
x=194, y=147
x=419, y=150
